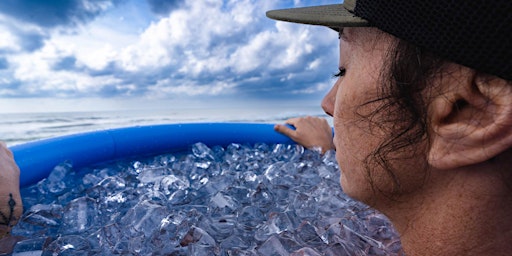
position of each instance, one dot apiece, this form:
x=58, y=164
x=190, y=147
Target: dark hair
x=402, y=111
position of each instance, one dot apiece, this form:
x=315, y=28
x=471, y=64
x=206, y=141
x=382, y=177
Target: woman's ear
x=471, y=119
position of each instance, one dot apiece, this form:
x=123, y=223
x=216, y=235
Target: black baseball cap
x=473, y=33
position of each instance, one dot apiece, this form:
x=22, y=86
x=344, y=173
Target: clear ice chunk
x=170, y=183
x=79, y=215
x=113, y=183
x=273, y=247
x=68, y=245
x=220, y=201
x=152, y=175
x=144, y=217
x=306, y=251
x=201, y=151
x=30, y=247
x=196, y=235
x=54, y=183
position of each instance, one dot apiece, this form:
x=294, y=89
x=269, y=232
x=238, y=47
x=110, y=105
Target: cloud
x=205, y=41
x=163, y=7
x=54, y=13
x=4, y=64
x=65, y=63
x=197, y=49
x=17, y=37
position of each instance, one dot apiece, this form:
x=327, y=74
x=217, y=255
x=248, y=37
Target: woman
x=422, y=115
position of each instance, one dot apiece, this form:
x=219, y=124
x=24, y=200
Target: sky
x=77, y=55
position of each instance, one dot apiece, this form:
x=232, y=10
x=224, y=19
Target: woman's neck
x=465, y=212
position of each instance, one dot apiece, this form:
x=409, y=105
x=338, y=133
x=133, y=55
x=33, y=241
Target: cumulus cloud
x=191, y=48
x=54, y=13
x=163, y=7
x=19, y=37
x=4, y=64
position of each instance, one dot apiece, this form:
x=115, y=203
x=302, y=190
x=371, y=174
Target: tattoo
x=6, y=220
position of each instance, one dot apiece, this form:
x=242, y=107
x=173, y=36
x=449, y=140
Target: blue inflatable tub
x=37, y=159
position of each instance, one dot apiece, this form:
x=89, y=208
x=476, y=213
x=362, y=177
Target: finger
x=291, y=121
x=6, y=149
x=284, y=130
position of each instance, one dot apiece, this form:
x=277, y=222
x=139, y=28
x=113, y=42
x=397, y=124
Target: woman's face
x=362, y=55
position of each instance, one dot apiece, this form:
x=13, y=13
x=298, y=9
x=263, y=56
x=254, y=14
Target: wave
x=68, y=126
x=20, y=128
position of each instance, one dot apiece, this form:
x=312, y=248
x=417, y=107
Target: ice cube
x=201, y=151
x=30, y=247
x=306, y=251
x=79, y=216
x=170, y=183
x=144, y=217
x=68, y=245
x=199, y=242
x=273, y=247
x=222, y=226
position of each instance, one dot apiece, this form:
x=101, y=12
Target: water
x=16, y=128
x=235, y=200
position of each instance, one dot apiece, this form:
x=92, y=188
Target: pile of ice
x=238, y=200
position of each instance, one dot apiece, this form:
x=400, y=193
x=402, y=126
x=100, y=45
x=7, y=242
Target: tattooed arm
x=11, y=206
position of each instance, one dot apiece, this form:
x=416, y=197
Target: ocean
x=17, y=128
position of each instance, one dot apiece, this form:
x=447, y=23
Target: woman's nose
x=329, y=100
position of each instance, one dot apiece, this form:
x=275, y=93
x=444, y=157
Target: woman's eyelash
x=340, y=73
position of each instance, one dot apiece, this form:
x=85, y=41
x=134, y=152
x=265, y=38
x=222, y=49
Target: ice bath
x=260, y=199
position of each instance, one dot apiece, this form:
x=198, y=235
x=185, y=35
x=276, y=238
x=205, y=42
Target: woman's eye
x=340, y=73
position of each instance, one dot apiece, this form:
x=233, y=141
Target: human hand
x=309, y=131
x=11, y=206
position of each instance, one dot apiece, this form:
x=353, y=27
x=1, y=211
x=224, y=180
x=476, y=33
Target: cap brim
x=334, y=15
